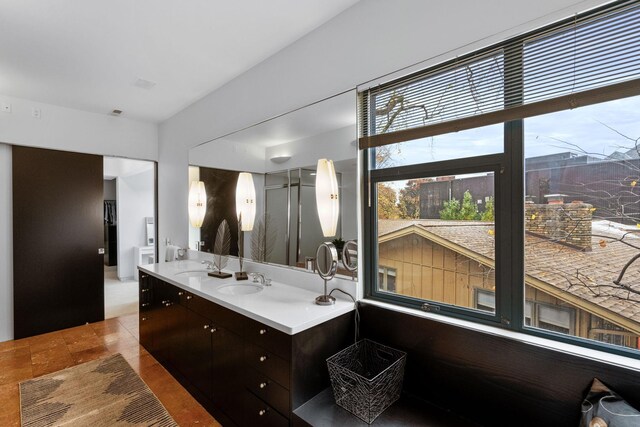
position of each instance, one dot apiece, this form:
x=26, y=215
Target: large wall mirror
x=281, y=154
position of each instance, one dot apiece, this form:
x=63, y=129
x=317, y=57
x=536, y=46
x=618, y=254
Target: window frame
x=495, y=163
x=509, y=210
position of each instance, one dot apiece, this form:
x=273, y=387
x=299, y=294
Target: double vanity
x=250, y=353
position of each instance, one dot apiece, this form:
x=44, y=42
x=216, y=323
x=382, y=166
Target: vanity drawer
x=258, y=413
x=268, y=390
x=219, y=315
x=267, y=337
x=268, y=364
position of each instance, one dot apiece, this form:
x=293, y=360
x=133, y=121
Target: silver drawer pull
x=261, y=412
x=263, y=358
x=143, y=319
x=263, y=385
x=263, y=331
x=145, y=290
x=189, y=296
x=206, y=326
x=145, y=304
x=213, y=330
x=180, y=293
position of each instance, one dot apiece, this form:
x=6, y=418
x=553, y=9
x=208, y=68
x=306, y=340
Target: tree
x=410, y=199
x=451, y=209
x=488, y=215
x=387, y=204
x=468, y=210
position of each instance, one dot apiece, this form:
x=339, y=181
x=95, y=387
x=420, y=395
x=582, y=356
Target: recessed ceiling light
x=144, y=84
x=116, y=112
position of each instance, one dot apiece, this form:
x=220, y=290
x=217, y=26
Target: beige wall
x=427, y=270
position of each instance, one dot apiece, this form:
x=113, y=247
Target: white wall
x=369, y=40
x=109, y=189
x=335, y=145
x=6, y=244
x=67, y=129
x=135, y=202
x=225, y=154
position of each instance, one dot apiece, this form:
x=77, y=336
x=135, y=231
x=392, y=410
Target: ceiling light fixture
x=116, y=112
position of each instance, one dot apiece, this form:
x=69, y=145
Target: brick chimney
x=568, y=223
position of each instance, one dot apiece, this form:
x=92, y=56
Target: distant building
x=605, y=184
x=569, y=272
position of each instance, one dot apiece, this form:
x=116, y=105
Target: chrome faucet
x=208, y=264
x=259, y=278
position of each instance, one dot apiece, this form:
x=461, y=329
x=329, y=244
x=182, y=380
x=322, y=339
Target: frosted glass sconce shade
x=327, y=197
x=197, y=203
x=246, y=200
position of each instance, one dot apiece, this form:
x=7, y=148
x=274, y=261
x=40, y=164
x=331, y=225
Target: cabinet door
x=197, y=368
x=145, y=301
x=227, y=372
x=176, y=318
x=162, y=321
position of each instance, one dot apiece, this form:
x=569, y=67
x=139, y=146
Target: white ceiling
x=87, y=54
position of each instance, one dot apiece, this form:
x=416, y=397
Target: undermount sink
x=194, y=273
x=240, y=289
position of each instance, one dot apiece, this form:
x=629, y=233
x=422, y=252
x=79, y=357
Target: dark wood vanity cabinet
x=244, y=372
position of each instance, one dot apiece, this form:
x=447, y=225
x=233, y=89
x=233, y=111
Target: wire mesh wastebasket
x=366, y=378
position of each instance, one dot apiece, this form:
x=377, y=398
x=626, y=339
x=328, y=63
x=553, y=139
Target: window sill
x=575, y=350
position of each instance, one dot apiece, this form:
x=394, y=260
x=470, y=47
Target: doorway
x=129, y=230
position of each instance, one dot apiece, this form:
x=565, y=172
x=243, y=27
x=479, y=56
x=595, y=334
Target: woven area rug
x=105, y=392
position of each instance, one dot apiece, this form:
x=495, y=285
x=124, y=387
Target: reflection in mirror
x=220, y=188
x=327, y=265
x=282, y=155
x=350, y=257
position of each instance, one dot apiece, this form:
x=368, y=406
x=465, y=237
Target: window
x=582, y=210
x=513, y=174
x=387, y=279
x=541, y=315
x=438, y=234
x=604, y=331
x=485, y=300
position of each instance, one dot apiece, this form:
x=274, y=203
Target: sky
x=584, y=127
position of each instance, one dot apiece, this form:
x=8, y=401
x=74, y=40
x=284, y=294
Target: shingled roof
x=582, y=278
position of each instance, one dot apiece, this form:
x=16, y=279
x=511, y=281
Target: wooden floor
x=43, y=354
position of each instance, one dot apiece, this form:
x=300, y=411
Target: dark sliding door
x=58, y=275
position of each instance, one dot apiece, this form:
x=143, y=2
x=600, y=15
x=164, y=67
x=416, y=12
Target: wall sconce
x=280, y=159
x=197, y=203
x=246, y=200
x=327, y=197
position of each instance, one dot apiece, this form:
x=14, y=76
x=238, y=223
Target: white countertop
x=286, y=308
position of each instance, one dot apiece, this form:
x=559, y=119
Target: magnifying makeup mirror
x=327, y=265
x=350, y=257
